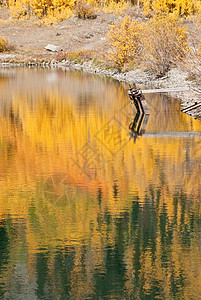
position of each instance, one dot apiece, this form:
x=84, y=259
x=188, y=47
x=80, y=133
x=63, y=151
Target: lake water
x=88, y=208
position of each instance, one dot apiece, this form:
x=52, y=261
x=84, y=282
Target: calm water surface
x=90, y=209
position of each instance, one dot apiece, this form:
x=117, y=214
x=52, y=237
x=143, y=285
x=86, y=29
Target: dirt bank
x=30, y=38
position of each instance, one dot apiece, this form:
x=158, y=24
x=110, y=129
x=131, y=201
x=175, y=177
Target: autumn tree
x=179, y=7
x=159, y=42
x=124, y=38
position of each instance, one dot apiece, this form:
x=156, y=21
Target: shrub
x=158, y=43
x=164, y=42
x=84, y=10
x=4, y=45
x=124, y=38
x=192, y=63
x=80, y=55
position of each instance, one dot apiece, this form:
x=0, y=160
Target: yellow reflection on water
x=67, y=159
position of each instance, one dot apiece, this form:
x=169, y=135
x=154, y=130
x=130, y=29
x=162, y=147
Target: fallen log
x=166, y=90
x=191, y=107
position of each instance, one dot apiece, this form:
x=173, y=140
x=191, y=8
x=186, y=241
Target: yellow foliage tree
x=179, y=7
x=55, y=8
x=39, y=8
x=159, y=6
x=159, y=42
x=124, y=38
x=185, y=7
x=147, y=7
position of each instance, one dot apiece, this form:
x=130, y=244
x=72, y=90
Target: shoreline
x=175, y=78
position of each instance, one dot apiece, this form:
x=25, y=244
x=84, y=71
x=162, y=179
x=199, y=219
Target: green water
x=90, y=209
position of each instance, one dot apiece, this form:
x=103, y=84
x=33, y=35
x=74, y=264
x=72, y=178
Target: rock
x=89, y=35
x=53, y=48
x=4, y=55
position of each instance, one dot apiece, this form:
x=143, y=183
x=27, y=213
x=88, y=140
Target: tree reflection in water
x=85, y=212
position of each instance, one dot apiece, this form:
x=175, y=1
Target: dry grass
x=79, y=55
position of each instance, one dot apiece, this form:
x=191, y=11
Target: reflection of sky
x=52, y=77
